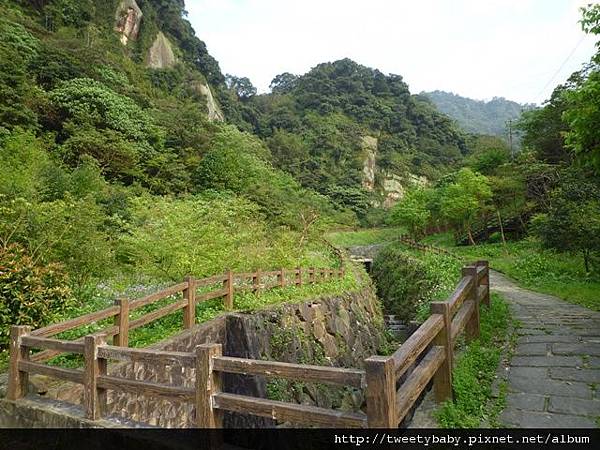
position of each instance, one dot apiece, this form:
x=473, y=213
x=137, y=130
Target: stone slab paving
x=553, y=378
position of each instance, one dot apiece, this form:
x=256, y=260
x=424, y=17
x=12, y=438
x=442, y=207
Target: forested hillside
x=118, y=170
x=347, y=131
x=478, y=116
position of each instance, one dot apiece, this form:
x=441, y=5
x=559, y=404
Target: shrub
x=403, y=282
x=30, y=294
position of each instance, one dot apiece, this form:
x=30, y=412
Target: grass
x=475, y=371
x=364, y=237
x=534, y=267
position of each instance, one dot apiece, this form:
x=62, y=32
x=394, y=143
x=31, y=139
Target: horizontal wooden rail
x=460, y=293
x=149, y=356
x=147, y=388
x=67, y=325
x=157, y=314
x=410, y=350
x=299, y=372
x=152, y=298
x=75, y=376
x=210, y=280
x=417, y=381
x=210, y=295
x=48, y=354
x=289, y=412
x=52, y=344
x=461, y=318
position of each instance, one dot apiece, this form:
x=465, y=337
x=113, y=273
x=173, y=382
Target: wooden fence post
x=311, y=275
x=281, y=278
x=122, y=321
x=485, y=281
x=472, y=327
x=17, y=379
x=256, y=282
x=299, y=276
x=228, y=286
x=381, y=392
x=189, y=312
x=442, y=380
x=94, y=398
x=208, y=382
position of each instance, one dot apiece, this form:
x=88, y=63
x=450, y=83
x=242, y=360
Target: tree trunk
x=586, y=260
x=471, y=241
x=501, y=228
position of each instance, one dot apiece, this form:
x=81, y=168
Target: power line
x=561, y=66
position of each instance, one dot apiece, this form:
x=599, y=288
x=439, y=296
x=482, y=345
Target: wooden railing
x=431, y=347
x=429, y=352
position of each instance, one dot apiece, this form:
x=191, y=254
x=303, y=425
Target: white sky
x=475, y=48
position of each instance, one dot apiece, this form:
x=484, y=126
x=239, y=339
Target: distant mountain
x=477, y=116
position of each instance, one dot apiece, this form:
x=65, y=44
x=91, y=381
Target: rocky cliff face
x=127, y=20
x=161, y=55
x=369, y=145
x=390, y=186
x=214, y=112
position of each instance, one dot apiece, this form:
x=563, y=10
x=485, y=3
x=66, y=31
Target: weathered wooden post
x=298, y=276
x=485, y=281
x=381, y=392
x=208, y=382
x=122, y=321
x=94, y=398
x=281, y=278
x=311, y=275
x=442, y=380
x=189, y=312
x=472, y=327
x=17, y=379
x=228, y=287
x=256, y=282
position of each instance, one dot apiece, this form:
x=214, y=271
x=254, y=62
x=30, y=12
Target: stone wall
x=157, y=412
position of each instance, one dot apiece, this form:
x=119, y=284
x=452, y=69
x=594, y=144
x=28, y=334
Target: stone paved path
x=554, y=376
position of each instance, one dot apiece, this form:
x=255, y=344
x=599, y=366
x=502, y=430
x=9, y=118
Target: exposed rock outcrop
x=369, y=145
x=214, y=112
x=391, y=186
x=127, y=20
x=161, y=55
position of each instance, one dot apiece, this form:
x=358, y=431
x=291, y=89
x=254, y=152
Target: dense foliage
x=478, y=116
x=30, y=293
x=314, y=125
x=407, y=281
x=111, y=173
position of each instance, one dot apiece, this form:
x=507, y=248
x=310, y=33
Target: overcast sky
x=475, y=48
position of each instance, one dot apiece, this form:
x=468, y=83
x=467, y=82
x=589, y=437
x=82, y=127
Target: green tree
x=582, y=117
x=412, y=212
x=464, y=199
x=30, y=293
x=242, y=86
x=572, y=222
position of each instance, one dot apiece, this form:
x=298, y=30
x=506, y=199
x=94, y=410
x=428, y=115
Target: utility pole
x=510, y=139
